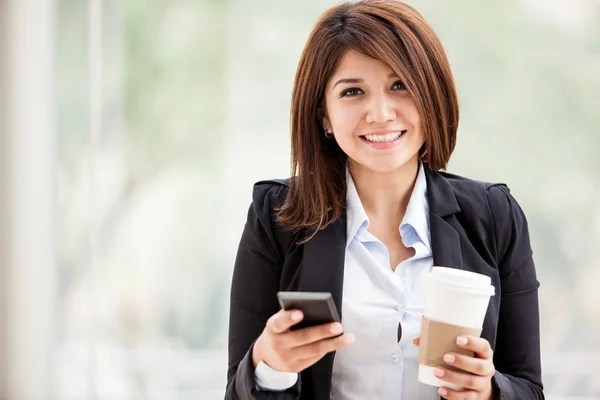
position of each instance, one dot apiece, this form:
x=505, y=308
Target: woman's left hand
x=476, y=374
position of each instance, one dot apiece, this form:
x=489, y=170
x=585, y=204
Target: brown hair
x=395, y=34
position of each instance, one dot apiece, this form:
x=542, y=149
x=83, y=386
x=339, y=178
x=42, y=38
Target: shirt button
x=395, y=358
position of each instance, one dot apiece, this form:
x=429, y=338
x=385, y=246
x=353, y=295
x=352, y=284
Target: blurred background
x=132, y=132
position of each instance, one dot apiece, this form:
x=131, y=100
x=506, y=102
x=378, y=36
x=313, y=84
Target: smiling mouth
x=388, y=137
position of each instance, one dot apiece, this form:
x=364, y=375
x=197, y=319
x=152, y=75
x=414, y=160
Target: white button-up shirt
x=375, y=300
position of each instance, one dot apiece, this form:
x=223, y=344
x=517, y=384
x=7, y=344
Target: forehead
x=358, y=64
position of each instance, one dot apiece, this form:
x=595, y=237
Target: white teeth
x=383, y=138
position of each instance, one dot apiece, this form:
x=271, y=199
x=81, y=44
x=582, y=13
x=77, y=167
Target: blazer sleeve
x=253, y=299
x=517, y=350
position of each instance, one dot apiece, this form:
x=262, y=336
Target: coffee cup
x=455, y=305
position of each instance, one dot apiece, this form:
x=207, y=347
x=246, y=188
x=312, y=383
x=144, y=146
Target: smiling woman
x=365, y=216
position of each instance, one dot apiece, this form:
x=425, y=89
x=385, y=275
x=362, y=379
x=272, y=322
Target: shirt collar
x=357, y=220
x=416, y=216
x=417, y=212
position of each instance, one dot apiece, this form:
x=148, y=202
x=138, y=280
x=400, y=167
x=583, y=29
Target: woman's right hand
x=288, y=350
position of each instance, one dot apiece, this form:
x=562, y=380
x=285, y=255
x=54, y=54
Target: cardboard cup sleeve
x=439, y=338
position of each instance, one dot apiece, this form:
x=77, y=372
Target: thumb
x=417, y=341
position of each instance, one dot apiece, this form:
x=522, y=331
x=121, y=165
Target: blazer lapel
x=445, y=242
x=323, y=261
x=323, y=271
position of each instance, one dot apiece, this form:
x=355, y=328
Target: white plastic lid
x=463, y=280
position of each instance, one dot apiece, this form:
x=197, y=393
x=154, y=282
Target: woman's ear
x=325, y=124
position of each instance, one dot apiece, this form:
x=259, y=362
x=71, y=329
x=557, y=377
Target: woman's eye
x=350, y=92
x=398, y=85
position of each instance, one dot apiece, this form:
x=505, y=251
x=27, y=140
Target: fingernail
x=349, y=339
x=462, y=340
x=442, y=391
x=337, y=328
x=449, y=358
x=296, y=315
x=439, y=372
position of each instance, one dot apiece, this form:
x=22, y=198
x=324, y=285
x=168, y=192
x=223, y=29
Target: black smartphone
x=318, y=307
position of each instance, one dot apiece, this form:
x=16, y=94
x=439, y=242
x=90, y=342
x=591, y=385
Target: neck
x=385, y=195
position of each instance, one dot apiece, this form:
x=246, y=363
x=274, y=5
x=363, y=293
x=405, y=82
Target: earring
x=328, y=135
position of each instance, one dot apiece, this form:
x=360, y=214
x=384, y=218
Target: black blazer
x=475, y=226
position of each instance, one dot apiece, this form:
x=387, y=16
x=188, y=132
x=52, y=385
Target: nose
x=380, y=110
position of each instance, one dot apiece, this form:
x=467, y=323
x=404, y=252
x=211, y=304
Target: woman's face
x=371, y=114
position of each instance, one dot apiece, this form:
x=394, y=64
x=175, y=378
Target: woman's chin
x=390, y=166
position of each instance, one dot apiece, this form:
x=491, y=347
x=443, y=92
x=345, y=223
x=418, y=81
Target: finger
x=417, y=341
x=460, y=378
x=284, y=320
x=304, y=363
x=479, y=345
x=477, y=366
x=313, y=334
x=451, y=394
x=298, y=365
x=322, y=347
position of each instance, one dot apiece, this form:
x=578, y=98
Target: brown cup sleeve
x=439, y=338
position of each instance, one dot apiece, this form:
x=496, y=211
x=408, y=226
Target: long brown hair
x=398, y=36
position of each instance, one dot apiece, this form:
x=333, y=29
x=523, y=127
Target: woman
x=365, y=216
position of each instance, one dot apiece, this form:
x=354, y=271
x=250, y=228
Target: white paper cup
x=454, y=297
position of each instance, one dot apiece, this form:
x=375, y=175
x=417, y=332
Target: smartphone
x=318, y=307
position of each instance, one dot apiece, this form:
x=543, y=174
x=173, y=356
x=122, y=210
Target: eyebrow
x=358, y=80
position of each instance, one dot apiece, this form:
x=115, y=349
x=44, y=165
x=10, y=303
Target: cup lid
x=464, y=280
